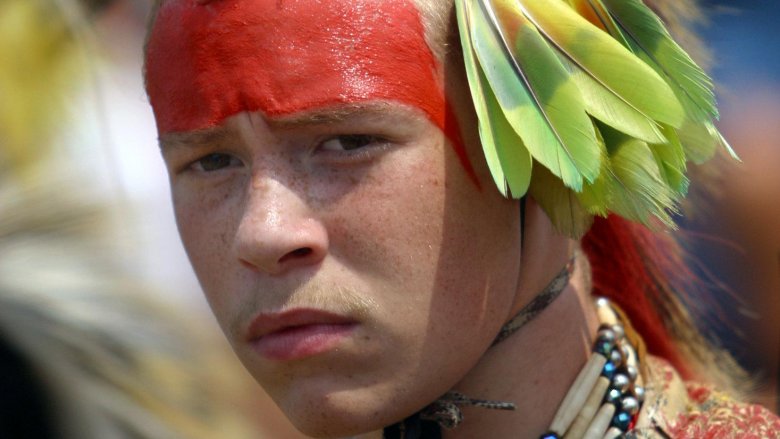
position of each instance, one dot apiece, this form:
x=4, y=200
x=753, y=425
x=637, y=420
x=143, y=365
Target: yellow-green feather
x=670, y=157
x=560, y=203
x=537, y=94
x=478, y=93
x=701, y=140
x=605, y=59
x=650, y=40
x=592, y=101
x=595, y=12
x=595, y=197
x=513, y=156
x=611, y=109
x=637, y=188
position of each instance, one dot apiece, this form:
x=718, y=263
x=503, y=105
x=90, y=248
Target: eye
x=350, y=142
x=215, y=162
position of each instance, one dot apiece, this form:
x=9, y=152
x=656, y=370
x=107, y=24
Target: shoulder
x=678, y=409
x=715, y=414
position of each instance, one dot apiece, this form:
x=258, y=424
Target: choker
x=603, y=401
x=538, y=303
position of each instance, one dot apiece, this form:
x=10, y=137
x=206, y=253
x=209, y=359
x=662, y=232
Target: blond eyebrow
x=326, y=116
x=338, y=114
x=193, y=138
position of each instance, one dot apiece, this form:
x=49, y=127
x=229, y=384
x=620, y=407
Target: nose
x=277, y=232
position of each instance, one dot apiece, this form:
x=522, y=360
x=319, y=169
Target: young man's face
x=351, y=245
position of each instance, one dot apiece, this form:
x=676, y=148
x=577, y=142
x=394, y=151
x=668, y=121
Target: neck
x=532, y=368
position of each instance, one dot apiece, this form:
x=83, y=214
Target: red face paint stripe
x=205, y=63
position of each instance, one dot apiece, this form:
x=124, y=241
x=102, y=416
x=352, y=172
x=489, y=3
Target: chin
x=343, y=413
x=329, y=423
x=328, y=430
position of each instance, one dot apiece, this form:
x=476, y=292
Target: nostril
x=305, y=251
x=297, y=253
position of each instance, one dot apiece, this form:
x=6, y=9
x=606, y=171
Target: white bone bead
x=589, y=410
x=606, y=315
x=578, y=393
x=600, y=424
x=613, y=433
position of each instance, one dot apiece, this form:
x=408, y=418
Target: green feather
x=589, y=100
x=602, y=103
x=606, y=60
x=595, y=12
x=609, y=108
x=560, y=203
x=636, y=186
x=670, y=157
x=632, y=22
x=701, y=140
x=595, y=197
x=478, y=97
x=508, y=160
x=651, y=41
x=514, y=157
x=537, y=95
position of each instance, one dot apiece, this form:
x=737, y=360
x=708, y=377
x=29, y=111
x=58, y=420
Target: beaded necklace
x=605, y=398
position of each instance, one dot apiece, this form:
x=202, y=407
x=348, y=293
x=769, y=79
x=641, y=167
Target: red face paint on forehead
x=207, y=62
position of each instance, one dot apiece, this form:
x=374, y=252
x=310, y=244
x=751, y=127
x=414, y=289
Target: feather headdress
x=589, y=106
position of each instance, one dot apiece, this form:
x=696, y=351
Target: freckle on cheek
x=224, y=238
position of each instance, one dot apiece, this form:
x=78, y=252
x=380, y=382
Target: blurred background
x=78, y=146
x=735, y=237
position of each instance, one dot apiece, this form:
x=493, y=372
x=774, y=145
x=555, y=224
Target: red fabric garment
x=689, y=410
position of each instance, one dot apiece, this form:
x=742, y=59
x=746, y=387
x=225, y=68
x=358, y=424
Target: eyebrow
x=193, y=138
x=326, y=116
x=341, y=113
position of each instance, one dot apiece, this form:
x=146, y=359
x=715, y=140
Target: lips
x=297, y=334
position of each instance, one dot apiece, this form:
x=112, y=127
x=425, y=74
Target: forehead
x=206, y=62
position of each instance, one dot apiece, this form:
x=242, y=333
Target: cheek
x=206, y=221
x=390, y=225
x=443, y=253
x=479, y=260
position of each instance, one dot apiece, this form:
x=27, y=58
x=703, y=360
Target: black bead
x=609, y=370
x=621, y=421
x=604, y=347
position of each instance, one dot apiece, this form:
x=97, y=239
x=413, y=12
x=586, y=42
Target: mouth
x=298, y=333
